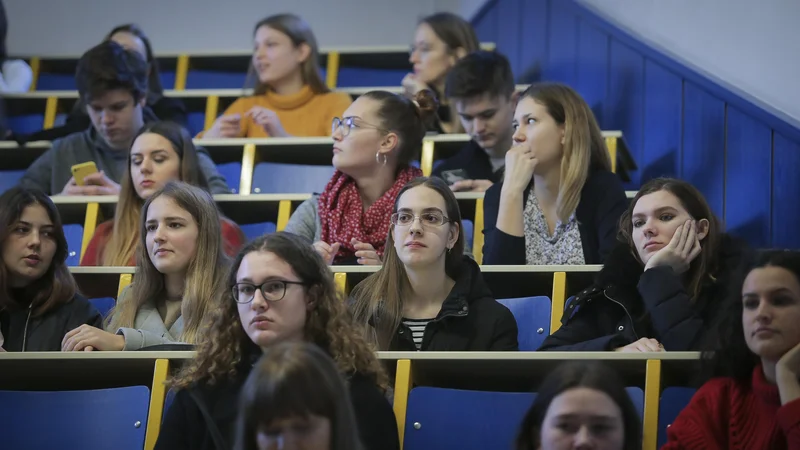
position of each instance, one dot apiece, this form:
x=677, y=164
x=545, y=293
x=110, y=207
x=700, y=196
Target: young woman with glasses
x=428, y=295
x=373, y=147
x=280, y=291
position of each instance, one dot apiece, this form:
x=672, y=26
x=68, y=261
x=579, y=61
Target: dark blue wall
x=676, y=122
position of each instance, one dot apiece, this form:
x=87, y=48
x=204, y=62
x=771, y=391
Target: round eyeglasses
x=272, y=290
x=428, y=219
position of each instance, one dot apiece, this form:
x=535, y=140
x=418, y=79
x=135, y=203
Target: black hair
x=154, y=80
x=479, y=73
x=107, y=67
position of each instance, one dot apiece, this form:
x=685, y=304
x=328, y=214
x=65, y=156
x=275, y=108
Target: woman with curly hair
x=281, y=291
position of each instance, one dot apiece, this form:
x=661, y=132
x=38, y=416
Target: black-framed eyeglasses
x=428, y=219
x=349, y=122
x=272, y=290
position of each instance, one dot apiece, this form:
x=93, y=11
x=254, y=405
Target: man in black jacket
x=481, y=87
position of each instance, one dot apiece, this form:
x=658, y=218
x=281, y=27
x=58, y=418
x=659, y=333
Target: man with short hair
x=481, y=87
x=112, y=82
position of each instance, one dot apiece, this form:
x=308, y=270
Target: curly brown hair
x=329, y=325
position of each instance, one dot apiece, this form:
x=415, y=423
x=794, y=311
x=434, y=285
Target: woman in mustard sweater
x=290, y=98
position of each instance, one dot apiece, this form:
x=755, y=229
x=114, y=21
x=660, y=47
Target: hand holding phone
x=80, y=171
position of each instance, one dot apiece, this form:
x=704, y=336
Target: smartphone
x=451, y=176
x=80, y=171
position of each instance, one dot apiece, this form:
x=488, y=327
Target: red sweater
x=232, y=236
x=730, y=414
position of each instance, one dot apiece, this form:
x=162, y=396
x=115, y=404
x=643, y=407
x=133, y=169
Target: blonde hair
x=125, y=234
x=205, y=276
x=378, y=300
x=584, y=147
x=299, y=31
x=328, y=324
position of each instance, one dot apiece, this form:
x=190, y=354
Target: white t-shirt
x=16, y=76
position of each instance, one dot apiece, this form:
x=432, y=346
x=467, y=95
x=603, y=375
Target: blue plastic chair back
x=672, y=402
x=363, y=76
x=233, y=174
x=637, y=397
x=214, y=79
x=274, y=178
x=103, y=304
x=25, y=123
x=74, y=235
x=468, y=232
x=9, y=179
x=89, y=420
x=56, y=82
x=196, y=122
x=254, y=230
x=440, y=418
x=533, y=320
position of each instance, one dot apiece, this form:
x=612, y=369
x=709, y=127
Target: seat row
x=441, y=399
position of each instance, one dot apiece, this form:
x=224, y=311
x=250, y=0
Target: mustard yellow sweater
x=304, y=114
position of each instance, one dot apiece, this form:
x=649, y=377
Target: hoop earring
x=378, y=159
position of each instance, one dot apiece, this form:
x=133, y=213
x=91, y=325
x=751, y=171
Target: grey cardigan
x=148, y=327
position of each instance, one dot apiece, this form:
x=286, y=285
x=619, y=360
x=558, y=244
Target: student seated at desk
x=581, y=405
x=132, y=38
x=112, y=81
x=440, y=40
x=373, y=146
x=161, y=152
x=662, y=286
x=280, y=291
x=295, y=398
x=290, y=98
x=180, y=274
x=753, y=399
x=559, y=202
x=39, y=299
x=428, y=295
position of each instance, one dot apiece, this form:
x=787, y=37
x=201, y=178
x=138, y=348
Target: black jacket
x=158, y=108
x=470, y=320
x=625, y=304
x=24, y=333
x=472, y=159
x=602, y=203
x=186, y=428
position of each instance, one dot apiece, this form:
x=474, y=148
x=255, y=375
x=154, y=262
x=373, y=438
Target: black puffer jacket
x=626, y=304
x=470, y=320
x=23, y=332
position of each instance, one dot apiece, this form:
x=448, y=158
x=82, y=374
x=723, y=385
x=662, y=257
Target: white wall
x=752, y=45
x=69, y=27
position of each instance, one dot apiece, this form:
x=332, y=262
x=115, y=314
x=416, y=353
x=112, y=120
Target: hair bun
x=426, y=104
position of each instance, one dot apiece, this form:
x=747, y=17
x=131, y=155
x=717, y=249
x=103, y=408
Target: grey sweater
x=51, y=171
x=148, y=327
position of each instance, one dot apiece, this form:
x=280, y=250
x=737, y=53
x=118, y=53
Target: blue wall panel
x=663, y=108
x=748, y=175
x=625, y=102
x=591, y=78
x=486, y=25
x=562, y=44
x=785, y=193
x=703, y=162
x=533, y=40
x=509, y=28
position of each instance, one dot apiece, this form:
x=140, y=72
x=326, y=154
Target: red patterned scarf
x=343, y=218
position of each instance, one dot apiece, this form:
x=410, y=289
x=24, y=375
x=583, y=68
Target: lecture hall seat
x=672, y=402
x=233, y=174
x=74, y=235
x=253, y=230
x=25, y=123
x=533, y=320
x=9, y=179
x=275, y=178
x=103, y=304
x=98, y=419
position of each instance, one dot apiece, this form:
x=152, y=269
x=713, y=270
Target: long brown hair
x=584, y=147
x=205, y=276
x=122, y=245
x=296, y=379
x=299, y=31
x=705, y=266
x=378, y=300
x=328, y=325
x=56, y=286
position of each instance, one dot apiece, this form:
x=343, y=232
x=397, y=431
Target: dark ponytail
x=406, y=118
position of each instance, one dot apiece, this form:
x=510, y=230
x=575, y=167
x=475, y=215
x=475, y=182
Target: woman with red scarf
x=373, y=146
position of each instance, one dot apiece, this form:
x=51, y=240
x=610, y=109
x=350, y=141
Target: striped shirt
x=417, y=327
